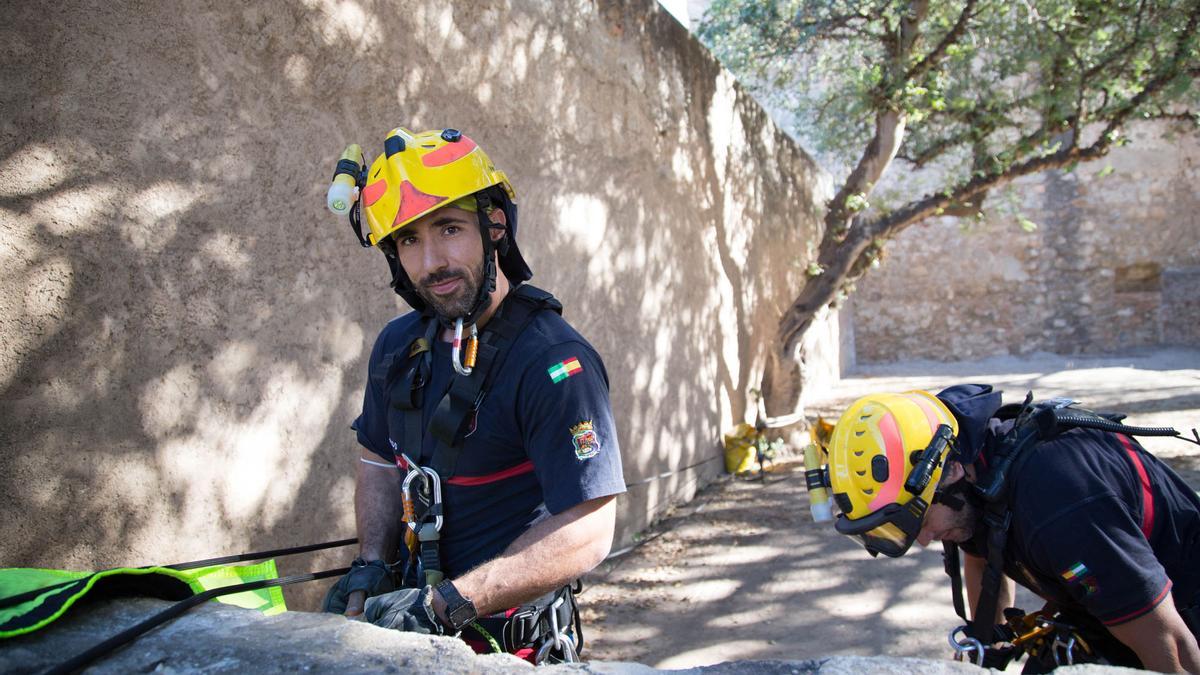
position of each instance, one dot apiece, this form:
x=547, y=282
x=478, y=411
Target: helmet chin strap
x=404, y=286
x=956, y=495
x=482, y=300
x=487, y=284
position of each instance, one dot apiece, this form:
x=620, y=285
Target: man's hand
x=380, y=523
x=1161, y=640
x=408, y=609
x=364, y=579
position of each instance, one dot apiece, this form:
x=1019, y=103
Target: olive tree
x=982, y=91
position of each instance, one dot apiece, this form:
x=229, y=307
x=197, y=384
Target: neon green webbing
x=61, y=589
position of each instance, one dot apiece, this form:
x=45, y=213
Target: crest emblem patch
x=583, y=437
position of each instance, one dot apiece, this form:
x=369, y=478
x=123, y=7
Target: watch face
x=462, y=615
x=459, y=610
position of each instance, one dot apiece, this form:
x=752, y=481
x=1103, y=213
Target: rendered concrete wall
x=1114, y=264
x=185, y=328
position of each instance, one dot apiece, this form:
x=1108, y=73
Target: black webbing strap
x=998, y=518
x=408, y=394
x=953, y=565
x=455, y=413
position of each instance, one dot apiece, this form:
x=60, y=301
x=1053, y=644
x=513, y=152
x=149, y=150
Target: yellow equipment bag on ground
x=739, y=449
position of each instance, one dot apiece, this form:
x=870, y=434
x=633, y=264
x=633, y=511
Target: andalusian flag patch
x=561, y=371
x=1075, y=571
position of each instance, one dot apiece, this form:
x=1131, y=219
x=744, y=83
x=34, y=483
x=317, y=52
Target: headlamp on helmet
x=886, y=458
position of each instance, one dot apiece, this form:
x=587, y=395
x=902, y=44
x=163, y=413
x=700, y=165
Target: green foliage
x=857, y=202
x=981, y=91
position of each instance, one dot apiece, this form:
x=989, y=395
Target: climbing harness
x=1033, y=424
x=547, y=630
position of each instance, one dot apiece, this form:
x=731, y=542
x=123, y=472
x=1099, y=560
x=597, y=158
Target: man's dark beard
x=462, y=302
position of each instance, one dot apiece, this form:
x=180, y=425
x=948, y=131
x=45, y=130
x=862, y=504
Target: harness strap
x=455, y=413
x=522, y=629
x=983, y=624
x=412, y=388
x=951, y=561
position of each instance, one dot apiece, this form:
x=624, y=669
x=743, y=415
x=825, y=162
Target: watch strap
x=459, y=611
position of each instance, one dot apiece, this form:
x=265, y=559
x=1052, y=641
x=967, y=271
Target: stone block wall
x=184, y=328
x=1112, y=265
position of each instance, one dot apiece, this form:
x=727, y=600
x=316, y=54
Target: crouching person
x=1062, y=500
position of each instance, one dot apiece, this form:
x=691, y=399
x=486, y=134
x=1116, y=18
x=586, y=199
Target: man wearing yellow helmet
x=1060, y=499
x=486, y=416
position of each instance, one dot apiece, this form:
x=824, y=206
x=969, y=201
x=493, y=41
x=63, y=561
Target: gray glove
x=373, y=578
x=408, y=609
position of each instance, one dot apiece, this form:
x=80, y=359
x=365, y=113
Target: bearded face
x=451, y=292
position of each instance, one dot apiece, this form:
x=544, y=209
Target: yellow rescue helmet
x=421, y=172
x=876, y=446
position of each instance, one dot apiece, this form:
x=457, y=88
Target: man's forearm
x=377, y=511
x=1161, y=640
x=549, y=555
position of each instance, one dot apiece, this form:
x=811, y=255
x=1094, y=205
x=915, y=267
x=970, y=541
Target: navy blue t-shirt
x=1101, y=524
x=544, y=437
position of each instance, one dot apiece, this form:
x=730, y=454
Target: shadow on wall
x=186, y=329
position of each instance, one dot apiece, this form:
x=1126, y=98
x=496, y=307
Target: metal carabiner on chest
x=464, y=366
x=421, y=494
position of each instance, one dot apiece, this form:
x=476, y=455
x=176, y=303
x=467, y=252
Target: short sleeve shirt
x=1102, y=525
x=544, y=438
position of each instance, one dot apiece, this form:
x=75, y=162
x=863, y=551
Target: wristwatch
x=459, y=610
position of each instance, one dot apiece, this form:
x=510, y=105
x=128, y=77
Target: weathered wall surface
x=185, y=329
x=1113, y=264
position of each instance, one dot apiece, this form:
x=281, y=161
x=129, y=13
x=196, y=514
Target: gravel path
x=742, y=572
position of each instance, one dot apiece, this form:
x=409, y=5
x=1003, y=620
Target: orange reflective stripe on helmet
x=421, y=172
x=873, y=449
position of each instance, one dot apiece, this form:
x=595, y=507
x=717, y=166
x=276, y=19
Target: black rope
x=277, y=553
x=79, y=661
x=668, y=474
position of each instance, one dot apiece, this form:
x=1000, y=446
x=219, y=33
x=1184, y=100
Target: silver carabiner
x=557, y=632
x=967, y=644
x=456, y=347
x=435, y=482
x=548, y=645
x=557, y=640
x=1068, y=649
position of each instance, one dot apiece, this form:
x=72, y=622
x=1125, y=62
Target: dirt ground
x=742, y=572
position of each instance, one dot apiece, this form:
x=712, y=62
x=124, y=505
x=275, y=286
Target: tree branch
x=934, y=57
